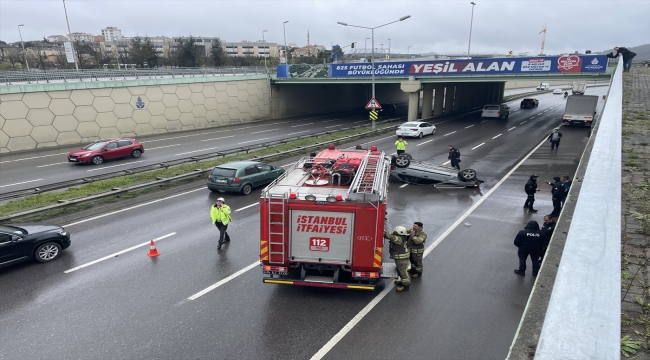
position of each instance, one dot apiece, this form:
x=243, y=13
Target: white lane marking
x=326, y=121
x=287, y=165
x=539, y=114
x=261, y=131
x=190, y=152
x=356, y=122
x=223, y=281
x=512, y=128
x=302, y=125
x=327, y=127
x=281, y=122
x=531, y=118
x=219, y=138
x=24, y=182
x=523, y=122
x=422, y=143
x=133, y=207
x=182, y=136
x=484, y=121
x=496, y=136
x=453, y=132
x=30, y=158
x=299, y=132
x=357, y=318
x=112, y=166
x=246, y=207
x=467, y=127
x=250, y=141
x=40, y=166
x=162, y=147
x=477, y=146
x=403, y=186
x=446, y=162
x=116, y=254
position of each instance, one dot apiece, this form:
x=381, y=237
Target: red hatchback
x=102, y=150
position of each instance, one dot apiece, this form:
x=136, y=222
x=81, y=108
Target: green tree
x=143, y=53
x=217, y=55
x=190, y=54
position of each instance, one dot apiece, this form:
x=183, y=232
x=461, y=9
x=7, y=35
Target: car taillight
x=236, y=180
x=393, y=168
x=414, y=129
x=481, y=111
x=498, y=112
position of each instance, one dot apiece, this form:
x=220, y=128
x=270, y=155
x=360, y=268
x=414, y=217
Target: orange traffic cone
x=152, y=250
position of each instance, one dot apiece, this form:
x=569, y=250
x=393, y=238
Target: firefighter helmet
x=401, y=230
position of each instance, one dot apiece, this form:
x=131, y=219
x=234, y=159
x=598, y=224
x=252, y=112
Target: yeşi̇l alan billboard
x=488, y=66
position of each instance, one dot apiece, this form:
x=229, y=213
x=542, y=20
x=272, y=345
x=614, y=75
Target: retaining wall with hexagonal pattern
x=45, y=115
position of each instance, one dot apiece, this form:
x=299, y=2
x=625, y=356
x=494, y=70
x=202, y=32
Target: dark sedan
x=20, y=243
x=529, y=103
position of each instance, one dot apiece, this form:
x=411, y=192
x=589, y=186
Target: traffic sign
x=374, y=114
x=373, y=104
x=511, y=52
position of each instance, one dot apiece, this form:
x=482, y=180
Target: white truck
x=580, y=110
x=543, y=86
x=579, y=88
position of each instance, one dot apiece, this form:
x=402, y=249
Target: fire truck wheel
x=467, y=175
x=402, y=161
x=246, y=189
x=380, y=286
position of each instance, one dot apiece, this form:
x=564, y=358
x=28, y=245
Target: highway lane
x=137, y=306
x=31, y=169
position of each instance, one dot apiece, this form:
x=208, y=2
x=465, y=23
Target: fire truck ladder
x=276, y=209
x=371, y=173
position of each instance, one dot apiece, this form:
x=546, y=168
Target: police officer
x=566, y=182
x=529, y=241
x=454, y=156
x=557, y=192
x=220, y=214
x=547, y=231
x=400, y=253
x=531, y=189
x=400, y=144
x=416, y=241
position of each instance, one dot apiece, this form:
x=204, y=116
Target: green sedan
x=242, y=176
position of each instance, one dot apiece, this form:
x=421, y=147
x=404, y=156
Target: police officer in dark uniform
x=529, y=241
x=557, y=192
x=547, y=231
x=531, y=189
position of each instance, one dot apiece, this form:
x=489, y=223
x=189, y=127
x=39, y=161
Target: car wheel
x=508, y=114
x=97, y=160
x=246, y=189
x=402, y=161
x=136, y=153
x=467, y=175
x=47, y=252
x=420, y=135
x=434, y=132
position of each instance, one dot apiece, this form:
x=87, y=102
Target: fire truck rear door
x=321, y=236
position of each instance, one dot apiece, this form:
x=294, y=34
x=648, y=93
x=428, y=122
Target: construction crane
x=543, y=39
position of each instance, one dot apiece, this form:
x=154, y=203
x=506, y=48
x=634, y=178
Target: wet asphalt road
x=467, y=305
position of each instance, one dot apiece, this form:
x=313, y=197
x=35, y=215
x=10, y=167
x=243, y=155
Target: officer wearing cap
x=557, y=192
x=220, y=214
x=531, y=189
x=400, y=253
x=417, y=238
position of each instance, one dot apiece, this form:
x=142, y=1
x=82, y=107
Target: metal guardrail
x=582, y=316
x=195, y=173
x=163, y=165
x=54, y=76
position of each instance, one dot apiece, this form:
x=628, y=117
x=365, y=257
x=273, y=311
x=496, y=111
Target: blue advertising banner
x=488, y=66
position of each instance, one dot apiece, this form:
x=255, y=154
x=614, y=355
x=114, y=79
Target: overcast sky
x=440, y=26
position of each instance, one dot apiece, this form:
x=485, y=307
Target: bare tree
x=13, y=56
x=123, y=49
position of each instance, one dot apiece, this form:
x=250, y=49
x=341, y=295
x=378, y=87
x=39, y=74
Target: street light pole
x=388, y=49
x=471, y=22
x=372, y=43
x=23, y=45
x=284, y=32
x=69, y=32
x=264, y=42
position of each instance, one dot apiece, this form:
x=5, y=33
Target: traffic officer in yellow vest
x=400, y=144
x=400, y=253
x=220, y=214
x=416, y=241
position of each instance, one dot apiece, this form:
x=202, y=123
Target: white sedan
x=416, y=129
x=558, y=92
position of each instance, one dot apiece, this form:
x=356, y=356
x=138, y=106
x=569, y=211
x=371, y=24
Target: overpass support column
x=439, y=100
x=502, y=89
x=496, y=96
x=449, y=99
x=458, y=98
x=427, y=101
x=412, y=87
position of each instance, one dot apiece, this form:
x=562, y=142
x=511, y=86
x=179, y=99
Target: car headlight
x=62, y=232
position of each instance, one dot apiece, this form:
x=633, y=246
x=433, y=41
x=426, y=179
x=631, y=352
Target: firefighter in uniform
x=416, y=240
x=399, y=251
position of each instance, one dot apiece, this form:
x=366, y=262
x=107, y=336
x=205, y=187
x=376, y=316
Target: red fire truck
x=322, y=221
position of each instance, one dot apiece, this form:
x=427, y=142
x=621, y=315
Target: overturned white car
x=403, y=168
